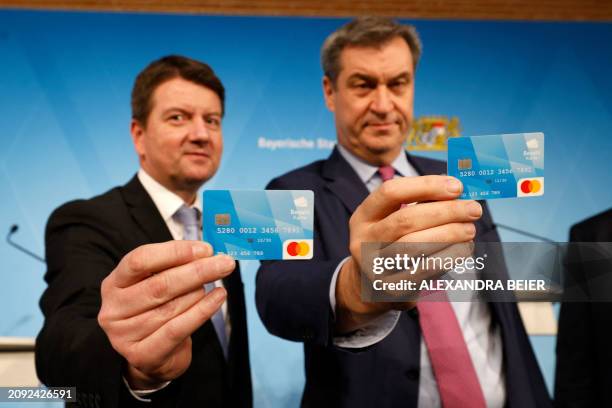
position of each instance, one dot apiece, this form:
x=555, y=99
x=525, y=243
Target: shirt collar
x=166, y=201
x=403, y=167
x=366, y=171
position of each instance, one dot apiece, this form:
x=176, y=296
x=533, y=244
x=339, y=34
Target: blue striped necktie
x=189, y=218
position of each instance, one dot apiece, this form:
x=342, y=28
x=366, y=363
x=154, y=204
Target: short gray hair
x=368, y=32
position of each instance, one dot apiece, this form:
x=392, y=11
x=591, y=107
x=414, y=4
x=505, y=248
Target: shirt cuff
x=332, y=286
x=141, y=394
x=372, y=333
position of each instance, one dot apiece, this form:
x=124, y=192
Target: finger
x=404, y=190
x=418, y=266
x=426, y=242
x=373, y=250
x=432, y=266
x=167, y=369
x=442, y=235
x=424, y=216
x=148, y=259
x=160, y=344
x=167, y=285
x=412, y=248
x=143, y=325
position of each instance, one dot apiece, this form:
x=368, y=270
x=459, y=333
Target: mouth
x=380, y=125
x=197, y=154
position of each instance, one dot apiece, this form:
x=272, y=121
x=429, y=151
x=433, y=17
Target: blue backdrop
x=65, y=80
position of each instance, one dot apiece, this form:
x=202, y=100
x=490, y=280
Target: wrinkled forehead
x=389, y=59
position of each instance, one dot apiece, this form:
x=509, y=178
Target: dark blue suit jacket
x=293, y=302
x=584, y=357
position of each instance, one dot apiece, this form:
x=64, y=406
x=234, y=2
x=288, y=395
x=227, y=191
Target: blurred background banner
x=65, y=81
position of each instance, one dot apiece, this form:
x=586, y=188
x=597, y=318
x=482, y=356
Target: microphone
x=18, y=323
x=14, y=228
x=525, y=233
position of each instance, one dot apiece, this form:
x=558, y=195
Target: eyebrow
x=402, y=75
x=368, y=78
x=174, y=109
x=188, y=111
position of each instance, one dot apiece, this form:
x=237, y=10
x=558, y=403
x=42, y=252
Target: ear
x=329, y=94
x=138, y=133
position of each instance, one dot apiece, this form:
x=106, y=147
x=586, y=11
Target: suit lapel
x=147, y=216
x=145, y=213
x=345, y=184
x=342, y=181
x=425, y=166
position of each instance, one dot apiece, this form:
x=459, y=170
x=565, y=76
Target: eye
x=176, y=118
x=398, y=85
x=213, y=122
x=363, y=85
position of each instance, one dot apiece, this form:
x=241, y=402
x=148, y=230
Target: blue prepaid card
x=259, y=224
x=498, y=166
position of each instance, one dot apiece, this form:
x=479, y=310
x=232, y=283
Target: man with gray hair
x=396, y=354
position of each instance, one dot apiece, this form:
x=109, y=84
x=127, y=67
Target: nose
x=199, y=131
x=382, y=103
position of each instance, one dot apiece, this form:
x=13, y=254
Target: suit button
x=413, y=374
x=308, y=334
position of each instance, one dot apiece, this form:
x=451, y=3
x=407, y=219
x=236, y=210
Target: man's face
x=181, y=144
x=372, y=100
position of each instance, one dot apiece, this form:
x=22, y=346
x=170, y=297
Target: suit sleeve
x=292, y=297
x=575, y=382
x=72, y=350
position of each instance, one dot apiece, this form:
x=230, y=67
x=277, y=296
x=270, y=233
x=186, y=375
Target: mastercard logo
x=530, y=187
x=297, y=249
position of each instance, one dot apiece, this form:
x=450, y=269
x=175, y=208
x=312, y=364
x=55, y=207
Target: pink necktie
x=386, y=172
x=451, y=362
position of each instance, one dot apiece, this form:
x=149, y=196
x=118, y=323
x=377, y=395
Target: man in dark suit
x=364, y=354
x=584, y=357
x=127, y=319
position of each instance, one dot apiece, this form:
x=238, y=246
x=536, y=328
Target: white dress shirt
x=481, y=335
x=167, y=204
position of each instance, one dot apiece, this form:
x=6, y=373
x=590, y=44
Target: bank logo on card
x=533, y=144
x=301, y=202
x=293, y=249
x=530, y=187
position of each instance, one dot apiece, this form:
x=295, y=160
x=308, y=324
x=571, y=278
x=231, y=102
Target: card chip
x=223, y=219
x=465, y=164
